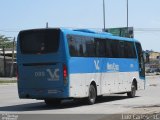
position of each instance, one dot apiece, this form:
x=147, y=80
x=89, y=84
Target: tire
x=52, y=101
x=92, y=95
x=132, y=93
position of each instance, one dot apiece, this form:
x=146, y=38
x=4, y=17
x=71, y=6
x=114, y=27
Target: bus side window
x=108, y=48
x=79, y=47
x=72, y=46
x=129, y=50
x=90, y=47
x=100, y=47
x=83, y=45
x=121, y=49
x=115, y=48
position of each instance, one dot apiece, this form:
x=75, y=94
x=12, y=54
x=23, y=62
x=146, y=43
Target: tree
x=6, y=42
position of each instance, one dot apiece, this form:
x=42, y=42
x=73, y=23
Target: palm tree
x=5, y=41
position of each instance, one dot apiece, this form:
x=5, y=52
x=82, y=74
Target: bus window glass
x=121, y=49
x=84, y=46
x=115, y=48
x=129, y=50
x=100, y=47
x=72, y=45
x=108, y=48
x=39, y=41
x=90, y=47
x=79, y=46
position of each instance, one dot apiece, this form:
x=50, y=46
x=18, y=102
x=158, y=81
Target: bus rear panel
x=42, y=67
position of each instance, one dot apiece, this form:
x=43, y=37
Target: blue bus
x=56, y=64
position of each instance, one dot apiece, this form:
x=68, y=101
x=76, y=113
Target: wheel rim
x=92, y=94
x=133, y=90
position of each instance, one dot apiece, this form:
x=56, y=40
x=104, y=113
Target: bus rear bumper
x=42, y=94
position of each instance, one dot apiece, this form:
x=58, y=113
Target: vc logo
x=54, y=75
x=96, y=63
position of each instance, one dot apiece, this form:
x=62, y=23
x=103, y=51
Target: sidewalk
x=7, y=78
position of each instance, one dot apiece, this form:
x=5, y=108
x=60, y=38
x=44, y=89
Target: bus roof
x=86, y=32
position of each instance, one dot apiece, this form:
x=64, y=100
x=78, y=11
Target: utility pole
x=47, y=25
x=127, y=13
x=12, y=66
x=4, y=61
x=104, y=16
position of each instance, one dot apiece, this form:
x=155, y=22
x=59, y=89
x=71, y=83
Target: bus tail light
x=65, y=74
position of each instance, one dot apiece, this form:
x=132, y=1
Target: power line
x=135, y=29
x=147, y=29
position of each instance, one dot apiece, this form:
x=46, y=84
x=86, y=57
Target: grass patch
x=8, y=81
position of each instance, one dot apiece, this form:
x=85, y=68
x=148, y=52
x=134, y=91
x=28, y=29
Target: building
x=152, y=60
x=154, y=56
x=7, y=63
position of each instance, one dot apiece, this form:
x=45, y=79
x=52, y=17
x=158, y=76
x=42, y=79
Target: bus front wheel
x=92, y=95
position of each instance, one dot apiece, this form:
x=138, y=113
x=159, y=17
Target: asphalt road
x=110, y=107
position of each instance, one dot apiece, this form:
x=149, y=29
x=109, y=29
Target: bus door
x=141, y=60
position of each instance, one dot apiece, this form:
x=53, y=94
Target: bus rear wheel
x=132, y=93
x=52, y=101
x=92, y=95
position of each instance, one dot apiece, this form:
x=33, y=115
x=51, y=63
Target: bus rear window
x=39, y=41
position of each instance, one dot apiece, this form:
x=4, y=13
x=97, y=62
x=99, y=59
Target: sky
x=144, y=16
